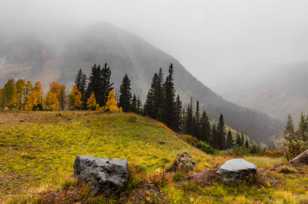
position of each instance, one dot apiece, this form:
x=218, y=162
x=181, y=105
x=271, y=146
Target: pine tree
x=205, y=128
x=178, y=114
x=100, y=83
x=133, y=106
x=197, y=121
x=106, y=85
x=290, y=127
x=139, y=106
x=213, y=139
x=80, y=82
x=247, y=144
x=189, y=129
x=150, y=106
x=169, y=98
x=238, y=140
x=125, y=94
x=302, y=126
x=111, y=103
x=229, y=142
x=159, y=95
x=221, y=133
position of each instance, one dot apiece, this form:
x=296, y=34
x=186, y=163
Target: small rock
x=301, y=159
x=237, y=170
x=183, y=162
x=107, y=176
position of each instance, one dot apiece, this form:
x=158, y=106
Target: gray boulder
x=106, y=176
x=237, y=170
x=301, y=159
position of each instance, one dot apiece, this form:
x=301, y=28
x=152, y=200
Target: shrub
x=206, y=147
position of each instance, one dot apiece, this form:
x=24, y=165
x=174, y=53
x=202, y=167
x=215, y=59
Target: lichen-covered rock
x=106, y=176
x=183, y=162
x=237, y=170
x=301, y=159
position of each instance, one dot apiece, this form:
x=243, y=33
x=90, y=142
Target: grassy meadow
x=37, y=151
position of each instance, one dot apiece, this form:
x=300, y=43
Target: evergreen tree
x=159, y=95
x=126, y=95
x=213, y=139
x=80, y=82
x=197, y=121
x=302, y=127
x=94, y=82
x=229, y=142
x=100, y=83
x=150, y=108
x=133, y=107
x=139, y=106
x=169, y=98
x=290, y=127
x=238, y=140
x=221, y=133
x=189, y=119
x=247, y=144
x=106, y=85
x=178, y=114
x=205, y=127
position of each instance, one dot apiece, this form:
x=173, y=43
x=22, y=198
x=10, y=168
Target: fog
x=221, y=42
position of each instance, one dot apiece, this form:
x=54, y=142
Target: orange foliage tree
x=34, y=96
x=55, y=99
x=75, y=98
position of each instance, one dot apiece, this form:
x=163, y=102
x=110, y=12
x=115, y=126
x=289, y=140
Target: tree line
x=97, y=92
x=296, y=140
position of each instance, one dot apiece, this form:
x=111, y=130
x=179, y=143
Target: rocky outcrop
x=301, y=159
x=183, y=162
x=237, y=170
x=106, y=176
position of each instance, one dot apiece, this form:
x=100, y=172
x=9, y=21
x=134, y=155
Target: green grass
x=39, y=155
x=37, y=151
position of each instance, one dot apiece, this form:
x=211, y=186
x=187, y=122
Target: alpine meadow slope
x=34, y=58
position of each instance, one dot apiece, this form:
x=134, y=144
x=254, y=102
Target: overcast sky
x=232, y=38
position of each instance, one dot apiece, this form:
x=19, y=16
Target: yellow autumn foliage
x=112, y=104
x=35, y=97
x=91, y=102
x=75, y=98
x=55, y=98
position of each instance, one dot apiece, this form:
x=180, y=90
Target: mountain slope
x=127, y=53
x=279, y=93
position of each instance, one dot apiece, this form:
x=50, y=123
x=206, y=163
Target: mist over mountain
x=36, y=58
x=280, y=92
